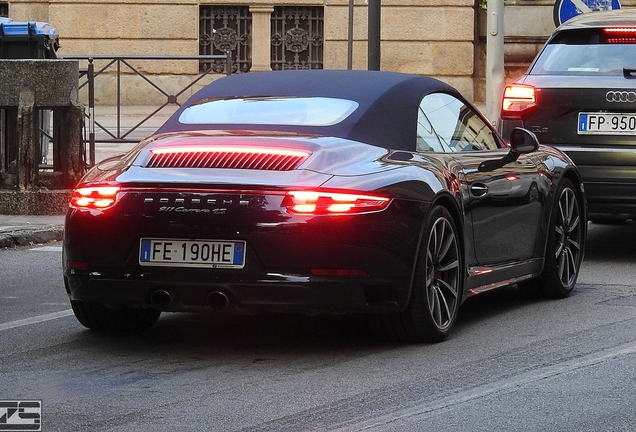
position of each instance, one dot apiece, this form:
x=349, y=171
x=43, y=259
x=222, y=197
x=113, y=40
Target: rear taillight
x=519, y=101
x=620, y=35
x=97, y=197
x=327, y=203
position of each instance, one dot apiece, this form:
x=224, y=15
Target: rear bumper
x=609, y=175
x=611, y=198
x=273, y=293
x=365, y=261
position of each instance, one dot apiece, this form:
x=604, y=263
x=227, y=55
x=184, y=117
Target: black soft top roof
x=386, y=116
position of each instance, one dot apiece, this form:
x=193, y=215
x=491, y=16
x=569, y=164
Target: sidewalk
x=27, y=230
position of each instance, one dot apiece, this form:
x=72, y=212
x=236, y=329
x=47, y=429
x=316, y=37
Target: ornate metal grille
x=222, y=29
x=4, y=9
x=297, y=37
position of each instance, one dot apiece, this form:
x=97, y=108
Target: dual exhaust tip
x=162, y=299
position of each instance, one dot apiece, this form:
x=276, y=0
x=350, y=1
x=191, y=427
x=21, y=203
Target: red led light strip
x=623, y=40
x=620, y=30
x=621, y=35
x=255, y=158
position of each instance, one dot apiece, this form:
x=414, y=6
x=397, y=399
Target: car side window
x=427, y=139
x=457, y=125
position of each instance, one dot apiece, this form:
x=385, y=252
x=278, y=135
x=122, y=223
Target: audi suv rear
x=579, y=94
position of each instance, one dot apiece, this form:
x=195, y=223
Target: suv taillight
x=620, y=35
x=519, y=101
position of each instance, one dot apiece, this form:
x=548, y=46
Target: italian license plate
x=192, y=253
x=607, y=124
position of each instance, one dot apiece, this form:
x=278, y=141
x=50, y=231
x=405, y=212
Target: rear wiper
x=629, y=72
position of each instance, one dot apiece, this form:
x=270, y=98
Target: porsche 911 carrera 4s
x=322, y=192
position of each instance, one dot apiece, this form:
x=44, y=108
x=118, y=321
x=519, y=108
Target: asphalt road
x=512, y=363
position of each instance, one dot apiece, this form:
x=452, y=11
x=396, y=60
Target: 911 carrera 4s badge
x=173, y=209
x=192, y=253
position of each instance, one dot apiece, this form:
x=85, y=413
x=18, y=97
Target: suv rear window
x=586, y=52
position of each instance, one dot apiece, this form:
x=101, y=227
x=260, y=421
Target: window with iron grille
x=297, y=37
x=222, y=29
x=4, y=9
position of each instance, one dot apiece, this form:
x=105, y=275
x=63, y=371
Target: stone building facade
x=441, y=38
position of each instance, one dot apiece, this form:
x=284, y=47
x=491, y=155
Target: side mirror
x=522, y=141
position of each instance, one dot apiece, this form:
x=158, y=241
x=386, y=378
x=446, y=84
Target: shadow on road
x=209, y=335
x=490, y=304
x=611, y=242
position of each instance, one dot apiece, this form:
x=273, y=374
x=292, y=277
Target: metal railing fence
x=89, y=74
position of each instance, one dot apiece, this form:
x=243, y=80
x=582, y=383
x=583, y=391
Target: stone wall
x=432, y=37
x=429, y=37
x=27, y=85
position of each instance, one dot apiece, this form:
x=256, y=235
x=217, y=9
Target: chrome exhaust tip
x=161, y=299
x=218, y=300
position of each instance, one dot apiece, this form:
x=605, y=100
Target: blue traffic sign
x=566, y=9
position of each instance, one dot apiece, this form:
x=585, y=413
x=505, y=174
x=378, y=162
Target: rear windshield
x=292, y=111
x=586, y=52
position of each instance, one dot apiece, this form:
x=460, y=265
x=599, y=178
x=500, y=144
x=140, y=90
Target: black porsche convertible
x=317, y=192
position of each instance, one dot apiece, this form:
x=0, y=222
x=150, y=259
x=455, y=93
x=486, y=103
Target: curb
x=31, y=236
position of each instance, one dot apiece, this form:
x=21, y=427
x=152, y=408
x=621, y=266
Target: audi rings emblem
x=620, y=96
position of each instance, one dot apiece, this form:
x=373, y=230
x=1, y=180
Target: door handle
x=479, y=189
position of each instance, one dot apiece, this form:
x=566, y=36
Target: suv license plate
x=607, y=124
x=192, y=253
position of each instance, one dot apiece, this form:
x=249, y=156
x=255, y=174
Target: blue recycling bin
x=27, y=40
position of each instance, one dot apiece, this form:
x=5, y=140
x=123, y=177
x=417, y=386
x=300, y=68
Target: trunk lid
x=560, y=99
x=250, y=161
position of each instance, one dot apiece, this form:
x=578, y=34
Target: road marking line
x=504, y=386
x=36, y=319
x=47, y=249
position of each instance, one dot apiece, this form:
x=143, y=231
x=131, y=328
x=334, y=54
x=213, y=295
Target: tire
x=438, y=285
x=96, y=316
x=564, y=250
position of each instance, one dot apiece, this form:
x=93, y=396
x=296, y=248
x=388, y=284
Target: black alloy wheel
x=564, y=251
x=437, y=286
